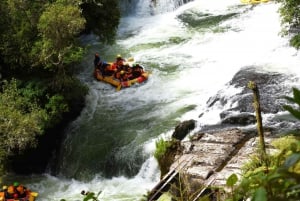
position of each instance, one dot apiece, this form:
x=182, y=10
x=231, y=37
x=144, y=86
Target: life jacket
x=9, y=194
x=21, y=191
x=113, y=66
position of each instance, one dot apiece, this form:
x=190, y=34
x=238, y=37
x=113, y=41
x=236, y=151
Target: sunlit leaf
x=232, y=180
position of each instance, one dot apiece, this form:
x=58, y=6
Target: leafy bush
x=161, y=148
x=276, y=183
x=21, y=119
x=296, y=101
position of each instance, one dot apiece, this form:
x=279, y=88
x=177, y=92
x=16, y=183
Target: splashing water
x=192, y=52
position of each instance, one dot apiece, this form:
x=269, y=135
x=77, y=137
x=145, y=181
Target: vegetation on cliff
x=290, y=20
x=39, y=55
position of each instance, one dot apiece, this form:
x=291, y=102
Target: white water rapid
x=192, y=52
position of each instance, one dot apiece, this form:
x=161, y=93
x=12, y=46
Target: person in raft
x=101, y=65
x=15, y=191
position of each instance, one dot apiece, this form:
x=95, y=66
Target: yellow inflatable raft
x=30, y=196
x=118, y=82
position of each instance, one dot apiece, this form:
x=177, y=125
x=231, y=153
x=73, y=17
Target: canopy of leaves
x=18, y=32
x=290, y=18
x=280, y=182
x=21, y=120
x=39, y=44
x=95, y=11
x=58, y=26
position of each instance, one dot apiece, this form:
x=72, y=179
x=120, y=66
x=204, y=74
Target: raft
x=110, y=79
x=31, y=196
x=254, y=1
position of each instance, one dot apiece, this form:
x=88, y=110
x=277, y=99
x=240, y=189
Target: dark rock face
x=270, y=87
x=241, y=110
x=183, y=129
x=240, y=119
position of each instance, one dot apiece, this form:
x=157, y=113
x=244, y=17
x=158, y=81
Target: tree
x=21, y=120
x=290, y=19
x=58, y=26
x=18, y=33
x=58, y=49
x=102, y=18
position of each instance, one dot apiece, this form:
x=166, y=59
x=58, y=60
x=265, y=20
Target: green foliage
x=290, y=13
x=290, y=18
x=102, y=18
x=281, y=182
x=58, y=25
x=294, y=100
x=161, y=148
x=21, y=119
x=39, y=46
x=55, y=108
x=231, y=180
x=295, y=41
x=89, y=196
x=18, y=32
x=260, y=194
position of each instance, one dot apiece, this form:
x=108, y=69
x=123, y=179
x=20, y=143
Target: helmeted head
x=4, y=187
x=122, y=72
x=119, y=57
x=16, y=184
x=20, y=189
x=10, y=190
x=120, y=62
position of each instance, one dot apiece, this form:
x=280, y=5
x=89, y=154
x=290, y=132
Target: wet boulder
x=244, y=118
x=183, y=129
x=270, y=88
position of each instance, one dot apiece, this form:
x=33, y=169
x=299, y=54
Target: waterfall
x=149, y=7
x=192, y=53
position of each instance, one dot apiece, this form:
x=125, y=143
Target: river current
x=192, y=52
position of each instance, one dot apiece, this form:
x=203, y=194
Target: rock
x=244, y=119
x=213, y=158
x=270, y=87
x=183, y=129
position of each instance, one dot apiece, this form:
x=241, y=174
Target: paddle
x=119, y=87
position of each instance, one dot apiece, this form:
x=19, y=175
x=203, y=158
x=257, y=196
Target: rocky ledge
x=215, y=152
x=208, y=159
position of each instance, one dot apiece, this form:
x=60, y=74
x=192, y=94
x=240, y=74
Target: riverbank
x=210, y=158
x=210, y=155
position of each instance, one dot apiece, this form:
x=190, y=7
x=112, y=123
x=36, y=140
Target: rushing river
x=192, y=52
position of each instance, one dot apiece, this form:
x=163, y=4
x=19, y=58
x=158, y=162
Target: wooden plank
x=164, y=184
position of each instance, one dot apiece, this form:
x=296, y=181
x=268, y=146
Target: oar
x=119, y=87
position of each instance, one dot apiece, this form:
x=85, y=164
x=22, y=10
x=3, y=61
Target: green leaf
x=231, y=180
x=296, y=94
x=295, y=113
x=89, y=196
x=260, y=195
x=292, y=160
